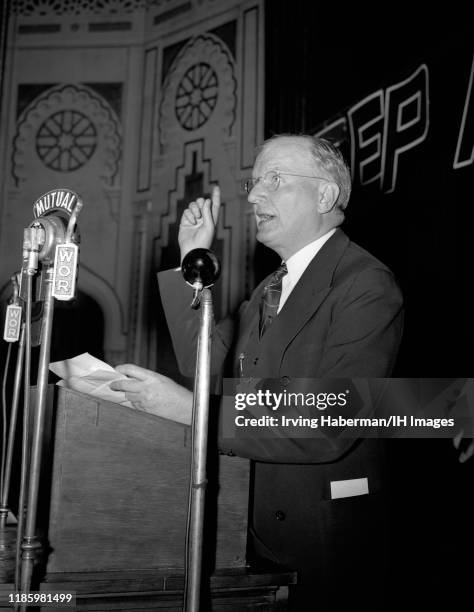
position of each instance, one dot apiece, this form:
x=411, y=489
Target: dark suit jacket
x=343, y=319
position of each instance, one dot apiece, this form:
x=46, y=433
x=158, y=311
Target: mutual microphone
x=53, y=238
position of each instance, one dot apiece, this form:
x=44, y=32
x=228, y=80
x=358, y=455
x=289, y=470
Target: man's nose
x=256, y=194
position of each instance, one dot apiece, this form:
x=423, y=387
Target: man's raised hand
x=199, y=222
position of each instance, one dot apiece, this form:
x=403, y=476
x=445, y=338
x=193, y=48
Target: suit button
x=255, y=361
x=285, y=380
x=279, y=515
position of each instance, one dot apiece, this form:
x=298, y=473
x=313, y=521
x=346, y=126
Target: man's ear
x=328, y=194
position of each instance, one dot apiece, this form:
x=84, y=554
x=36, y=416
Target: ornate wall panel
x=139, y=106
x=205, y=133
x=199, y=92
x=65, y=129
x=197, y=116
x=70, y=135
x=39, y=8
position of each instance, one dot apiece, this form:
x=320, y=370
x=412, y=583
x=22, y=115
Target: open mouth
x=263, y=218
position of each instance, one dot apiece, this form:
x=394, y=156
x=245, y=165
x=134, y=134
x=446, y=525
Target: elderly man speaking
x=331, y=310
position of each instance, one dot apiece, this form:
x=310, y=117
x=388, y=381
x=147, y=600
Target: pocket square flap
x=349, y=488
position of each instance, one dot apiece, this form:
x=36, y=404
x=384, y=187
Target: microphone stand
x=8, y=534
x=199, y=455
x=201, y=269
x=4, y=508
x=31, y=544
x=51, y=232
x=12, y=429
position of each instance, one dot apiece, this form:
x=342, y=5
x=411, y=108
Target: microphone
x=53, y=239
x=13, y=316
x=66, y=259
x=200, y=269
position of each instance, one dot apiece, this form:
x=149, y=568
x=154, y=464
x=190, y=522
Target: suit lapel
x=308, y=294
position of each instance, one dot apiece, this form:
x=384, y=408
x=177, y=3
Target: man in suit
x=317, y=502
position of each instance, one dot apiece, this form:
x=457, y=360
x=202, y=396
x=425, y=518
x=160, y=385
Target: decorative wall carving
x=64, y=128
x=200, y=88
x=183, y=126
x=196, y=96
x=66, y=140
x=40, y=8
x=70, y=135
x=194, y=178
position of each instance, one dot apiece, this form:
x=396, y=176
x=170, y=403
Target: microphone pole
x=59, y=255
x=31, y=544
x=200, y=269
x=13, y=322
x=14, y=332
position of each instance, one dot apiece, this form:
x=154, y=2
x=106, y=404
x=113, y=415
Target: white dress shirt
x=298, y=263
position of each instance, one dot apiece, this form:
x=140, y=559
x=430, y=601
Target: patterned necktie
x=271, y=298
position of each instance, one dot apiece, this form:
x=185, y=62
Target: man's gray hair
x=326, y=157
x=329, y=157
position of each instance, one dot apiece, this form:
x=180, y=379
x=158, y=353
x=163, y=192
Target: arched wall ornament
x=63, y=129
x=200, y=88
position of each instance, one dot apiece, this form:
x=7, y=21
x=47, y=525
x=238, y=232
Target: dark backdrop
x=320, y=62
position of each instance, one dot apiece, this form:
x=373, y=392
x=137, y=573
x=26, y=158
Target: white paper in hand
x=87, y=374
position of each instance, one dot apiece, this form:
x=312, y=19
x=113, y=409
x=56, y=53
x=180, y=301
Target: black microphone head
x=201, y=266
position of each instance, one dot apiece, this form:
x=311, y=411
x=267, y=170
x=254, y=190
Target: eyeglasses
x=271, y=180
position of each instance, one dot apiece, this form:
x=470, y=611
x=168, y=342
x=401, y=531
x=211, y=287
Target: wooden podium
x=120, y=488
x=115, y=515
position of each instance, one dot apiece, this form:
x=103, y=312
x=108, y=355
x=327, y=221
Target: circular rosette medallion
x=66, y=140
x=196, y=96
x=67, y=129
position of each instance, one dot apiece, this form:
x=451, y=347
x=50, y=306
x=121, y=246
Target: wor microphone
x=13, y=316
x=200, y=269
